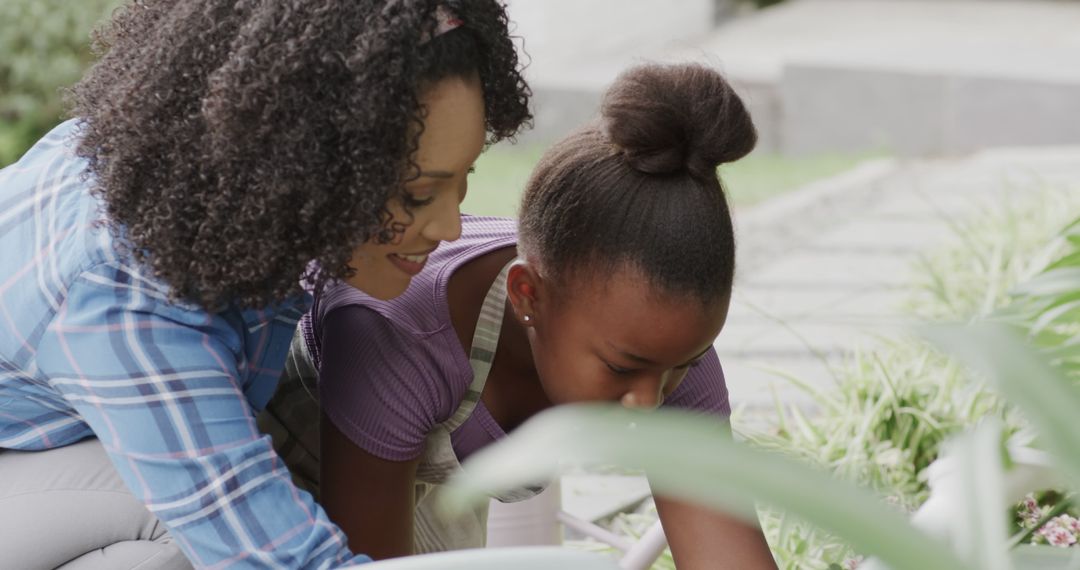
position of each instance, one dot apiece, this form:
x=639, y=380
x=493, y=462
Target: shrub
x=46, y=47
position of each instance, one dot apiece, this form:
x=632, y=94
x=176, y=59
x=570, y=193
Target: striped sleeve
x=158, y=384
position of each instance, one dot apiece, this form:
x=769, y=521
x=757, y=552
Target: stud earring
x=527, y=318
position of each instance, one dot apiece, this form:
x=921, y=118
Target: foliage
x=668, y=445
x=1001, y=246
x=1048, y=306
x=46, y=49
x=886, y=423
x=893, y=406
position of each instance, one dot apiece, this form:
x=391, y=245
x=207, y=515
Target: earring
x=527, y=318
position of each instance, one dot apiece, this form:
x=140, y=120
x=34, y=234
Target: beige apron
x=292, y=420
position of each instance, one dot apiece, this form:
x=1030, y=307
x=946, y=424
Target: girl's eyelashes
x=693, y=364
x=619, y=370
x=628, y=371
x=472, y=169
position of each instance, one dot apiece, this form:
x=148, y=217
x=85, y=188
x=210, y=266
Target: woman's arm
x=370, y=498
x=380, y=398
x=703, y=539
x=159, y=385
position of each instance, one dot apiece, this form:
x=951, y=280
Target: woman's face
x=615, y=338
x=452, y=139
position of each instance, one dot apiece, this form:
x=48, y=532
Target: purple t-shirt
x=390, y=371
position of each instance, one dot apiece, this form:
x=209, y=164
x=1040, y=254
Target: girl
x=152, y=249
x=613, y=287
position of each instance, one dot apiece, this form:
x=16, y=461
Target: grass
x=502, y=171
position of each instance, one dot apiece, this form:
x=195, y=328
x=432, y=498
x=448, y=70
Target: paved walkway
x=822, y=270
x=915, y=77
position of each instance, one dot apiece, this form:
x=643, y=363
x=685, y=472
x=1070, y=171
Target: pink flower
x=1057, y=533
x=853, y=563
x=1029, y=511
x=1029, y=504
x=1071, y=523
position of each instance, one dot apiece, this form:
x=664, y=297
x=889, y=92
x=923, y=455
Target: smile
x=412, y=258
x=411, y=265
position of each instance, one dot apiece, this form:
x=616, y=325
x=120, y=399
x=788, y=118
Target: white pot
x=1032, y=557
x=525, y=558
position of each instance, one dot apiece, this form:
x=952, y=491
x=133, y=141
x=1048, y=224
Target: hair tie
x=445, y=21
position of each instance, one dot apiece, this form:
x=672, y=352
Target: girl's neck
x=513, y=392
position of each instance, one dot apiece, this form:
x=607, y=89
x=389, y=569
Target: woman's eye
x=413, y=202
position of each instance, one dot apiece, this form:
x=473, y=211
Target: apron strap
x=482, y=353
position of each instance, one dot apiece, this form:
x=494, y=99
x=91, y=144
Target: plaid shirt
x=91, y=346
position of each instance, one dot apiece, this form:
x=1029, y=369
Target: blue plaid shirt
x=92, y=347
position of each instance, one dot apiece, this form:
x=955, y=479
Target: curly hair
x=234, y=142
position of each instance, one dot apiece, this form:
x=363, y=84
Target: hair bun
x=675, y=118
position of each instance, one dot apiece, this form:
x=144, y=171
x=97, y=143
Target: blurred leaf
x=1048, y=399
x=1061, y=280
x=693, y=458
x=980, y=533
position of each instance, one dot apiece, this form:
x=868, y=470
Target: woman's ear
x=524, y=288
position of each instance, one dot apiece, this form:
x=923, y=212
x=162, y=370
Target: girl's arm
x=370, y=498
x=704, y=539
x=700, y=537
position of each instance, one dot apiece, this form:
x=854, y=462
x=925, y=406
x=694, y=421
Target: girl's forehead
x=625, y=310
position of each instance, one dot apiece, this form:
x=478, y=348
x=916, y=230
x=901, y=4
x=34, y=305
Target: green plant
x=885, y=423
x=667, y=445
x=46, y=49
x=1003, y=244
x=894, y=405
x=1048, y=306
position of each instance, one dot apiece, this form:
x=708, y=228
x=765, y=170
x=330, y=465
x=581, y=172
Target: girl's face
x=453, y=137
x=612, y=338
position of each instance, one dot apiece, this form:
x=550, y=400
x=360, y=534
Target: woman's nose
x=445, y=223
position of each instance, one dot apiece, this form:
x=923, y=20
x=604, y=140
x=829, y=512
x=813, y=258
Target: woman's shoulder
x=480, y=235
x=422, y=310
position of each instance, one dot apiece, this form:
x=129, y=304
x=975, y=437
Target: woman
x=613, y=288
x=152, y=252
